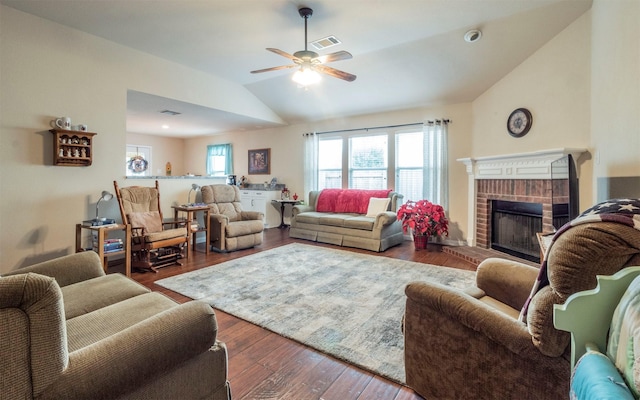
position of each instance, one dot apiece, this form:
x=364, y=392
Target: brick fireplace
x=524, y=177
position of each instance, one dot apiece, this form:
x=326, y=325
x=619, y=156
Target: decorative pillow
x=149, y=220
x=377, y=206
x=622, y=346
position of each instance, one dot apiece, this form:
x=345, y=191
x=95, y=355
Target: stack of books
x=103, y=222
x=110, y=245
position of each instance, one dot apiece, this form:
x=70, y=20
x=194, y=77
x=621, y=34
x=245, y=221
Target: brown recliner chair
x=471, y=345
x=231, y=228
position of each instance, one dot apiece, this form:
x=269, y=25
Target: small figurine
x=61, y=153
x=76, y=153
x=83, y=152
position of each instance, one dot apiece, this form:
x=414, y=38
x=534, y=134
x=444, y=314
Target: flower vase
x=420, y=241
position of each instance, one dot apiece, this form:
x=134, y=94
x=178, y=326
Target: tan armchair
x=71, y=332
x=471, y=345
x=231, y=228
x=155, y=243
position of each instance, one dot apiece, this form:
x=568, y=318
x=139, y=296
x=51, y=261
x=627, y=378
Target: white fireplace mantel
x=532, y=165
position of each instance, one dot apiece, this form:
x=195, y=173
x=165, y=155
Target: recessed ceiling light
x=472, y=36
x=165, y=126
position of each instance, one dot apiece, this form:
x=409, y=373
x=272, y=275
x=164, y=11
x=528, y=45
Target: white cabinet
x=260, y=200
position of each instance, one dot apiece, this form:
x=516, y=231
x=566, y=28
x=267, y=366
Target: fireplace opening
x=514, y=226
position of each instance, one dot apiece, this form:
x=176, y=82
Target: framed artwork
x=260, y=162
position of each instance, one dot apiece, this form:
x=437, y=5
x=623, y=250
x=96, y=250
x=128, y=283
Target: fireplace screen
x=514, y=226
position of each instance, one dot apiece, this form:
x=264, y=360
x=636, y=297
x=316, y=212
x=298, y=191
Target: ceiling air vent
x=324, y=43
x=169, y=112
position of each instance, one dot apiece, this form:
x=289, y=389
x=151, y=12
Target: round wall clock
x=519, y=122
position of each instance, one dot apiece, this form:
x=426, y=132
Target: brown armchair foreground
x=471, y=345
x=71, y=332
x=230, y=227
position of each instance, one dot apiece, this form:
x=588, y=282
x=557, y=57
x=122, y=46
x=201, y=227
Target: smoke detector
x=472, y=36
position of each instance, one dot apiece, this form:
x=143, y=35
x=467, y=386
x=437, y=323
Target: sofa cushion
x=332, y=219
x=377, y=205
x=309, y=217
x=166, y=234
x=90, y=295
x=360, y=222
x=89, y=328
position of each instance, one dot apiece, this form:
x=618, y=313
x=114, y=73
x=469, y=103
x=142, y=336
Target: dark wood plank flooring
x=264, y=365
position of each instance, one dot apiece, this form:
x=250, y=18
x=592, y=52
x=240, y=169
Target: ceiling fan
x=310, y=62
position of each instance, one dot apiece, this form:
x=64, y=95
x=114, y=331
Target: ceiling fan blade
x=284, y=54
x=337, y=56
x=274, y=68
x=336, y=73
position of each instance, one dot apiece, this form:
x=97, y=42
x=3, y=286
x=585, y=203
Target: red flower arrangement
x=424, y=218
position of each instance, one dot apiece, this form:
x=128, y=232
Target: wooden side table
x=102, y=234
x=282, y=204
x=191, y=232
x=544, y=240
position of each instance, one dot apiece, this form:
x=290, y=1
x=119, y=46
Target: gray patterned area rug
x=346, y=304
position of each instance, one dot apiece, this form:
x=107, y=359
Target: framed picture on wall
x=260, y=162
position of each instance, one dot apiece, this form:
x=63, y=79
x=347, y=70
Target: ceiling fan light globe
x=306, y=77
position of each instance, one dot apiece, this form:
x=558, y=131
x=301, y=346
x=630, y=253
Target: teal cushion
x=596, y=378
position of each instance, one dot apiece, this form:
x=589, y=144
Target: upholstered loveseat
x=71, y=332
x=364, y=219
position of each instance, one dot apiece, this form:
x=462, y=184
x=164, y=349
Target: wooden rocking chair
x=152, y=245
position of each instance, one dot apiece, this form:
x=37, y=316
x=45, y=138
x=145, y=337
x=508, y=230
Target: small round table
x=282, y=204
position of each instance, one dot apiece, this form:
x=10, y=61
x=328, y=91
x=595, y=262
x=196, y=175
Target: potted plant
x=425, y=219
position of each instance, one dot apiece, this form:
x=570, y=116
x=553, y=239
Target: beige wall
x=579, y=96
x=554, y=84
x=47, y=71
x=615, y=83
x=163, y=150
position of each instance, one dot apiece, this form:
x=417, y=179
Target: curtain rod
x=446, y=121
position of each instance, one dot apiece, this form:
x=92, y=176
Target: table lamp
x=193, y=187
x=106, y=196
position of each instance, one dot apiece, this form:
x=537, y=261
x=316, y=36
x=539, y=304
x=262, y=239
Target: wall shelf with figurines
x=72, y=148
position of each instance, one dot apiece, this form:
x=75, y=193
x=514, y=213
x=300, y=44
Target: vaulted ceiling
x=406, y=53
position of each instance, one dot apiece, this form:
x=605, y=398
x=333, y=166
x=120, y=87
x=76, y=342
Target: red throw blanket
x=348, y=200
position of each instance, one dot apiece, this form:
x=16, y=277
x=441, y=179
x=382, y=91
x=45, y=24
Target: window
x=368, y=162
x=138, y=160
x=409, y=165
x=418, y=157
x=330, y=163
x=219, y=160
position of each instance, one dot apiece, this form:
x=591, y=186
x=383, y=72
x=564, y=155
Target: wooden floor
x=264, y=365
